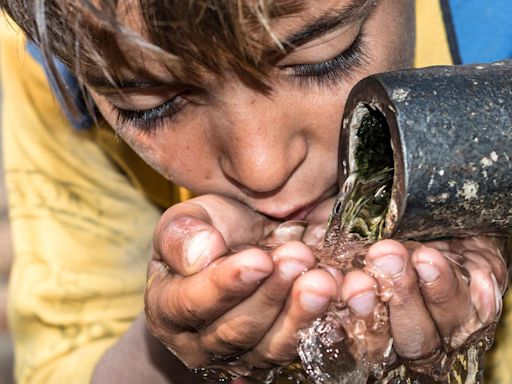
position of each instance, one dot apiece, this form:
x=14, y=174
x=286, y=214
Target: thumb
x=193, y=234
x=187, y=244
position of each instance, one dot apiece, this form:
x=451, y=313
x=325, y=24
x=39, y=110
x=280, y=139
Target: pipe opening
x=373, y=151
x=369, y=185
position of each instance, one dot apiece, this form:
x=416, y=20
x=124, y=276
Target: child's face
x=275, y=152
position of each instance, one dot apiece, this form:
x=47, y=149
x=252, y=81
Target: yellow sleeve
x=81, y=232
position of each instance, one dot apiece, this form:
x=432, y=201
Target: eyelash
x=328, y=73
x=149, y=120
x=332, y=71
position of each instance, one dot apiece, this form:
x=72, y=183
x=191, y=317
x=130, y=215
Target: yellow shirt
x=82, y=221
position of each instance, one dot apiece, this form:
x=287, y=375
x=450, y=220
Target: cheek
x=183, y=159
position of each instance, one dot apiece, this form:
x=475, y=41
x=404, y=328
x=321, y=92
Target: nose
x=263, y=144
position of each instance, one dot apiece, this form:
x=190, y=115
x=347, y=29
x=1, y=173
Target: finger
x=187, y=245
x=238, y=224
x=314, y=235
x=485, y=293
x=446, y=295
x=244, y=325
x=185, y=302
x=491, y=250
x=360, y=292
x=488, y=250
x=310, y=296
x=317, y=220
x=192, y=234
x=288, y=231
x=413, y=330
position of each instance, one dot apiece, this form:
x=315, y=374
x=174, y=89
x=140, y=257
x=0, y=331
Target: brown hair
x=187, y=35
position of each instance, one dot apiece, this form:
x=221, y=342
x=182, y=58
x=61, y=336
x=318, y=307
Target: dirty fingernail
x=197, y=246
x=313, y=303
x=363, y=304
x=389, y=266
x=427, y=272
x=291, y=269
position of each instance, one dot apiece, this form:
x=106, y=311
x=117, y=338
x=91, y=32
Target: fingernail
x=252, y=276
x=313, y=303
x=291, y=269
x=389, y=266
x=363, y=304
x=197, y=246
x=427, y=272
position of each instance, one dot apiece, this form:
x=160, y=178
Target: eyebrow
x=329, y=21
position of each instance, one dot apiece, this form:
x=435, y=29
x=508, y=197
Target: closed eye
x=148, y=120
x=332, y=71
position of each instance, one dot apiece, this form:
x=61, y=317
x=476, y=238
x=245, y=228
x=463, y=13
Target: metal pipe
x=449, y=133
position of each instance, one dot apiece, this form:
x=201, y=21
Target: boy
x=239, y=102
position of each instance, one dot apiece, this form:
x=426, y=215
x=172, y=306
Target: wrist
x=140, y=357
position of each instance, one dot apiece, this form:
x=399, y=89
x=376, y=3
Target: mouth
x=300, y=212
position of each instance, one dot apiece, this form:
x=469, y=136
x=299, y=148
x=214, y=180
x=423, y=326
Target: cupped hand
x=441, y=295
x=213, y=306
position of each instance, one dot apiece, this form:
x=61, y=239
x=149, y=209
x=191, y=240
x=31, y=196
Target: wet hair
x=187, y=36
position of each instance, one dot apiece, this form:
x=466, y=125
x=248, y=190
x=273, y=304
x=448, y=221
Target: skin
x=262, y=159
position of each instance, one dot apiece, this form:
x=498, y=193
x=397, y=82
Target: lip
x=300, y=212
x=303, y=212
